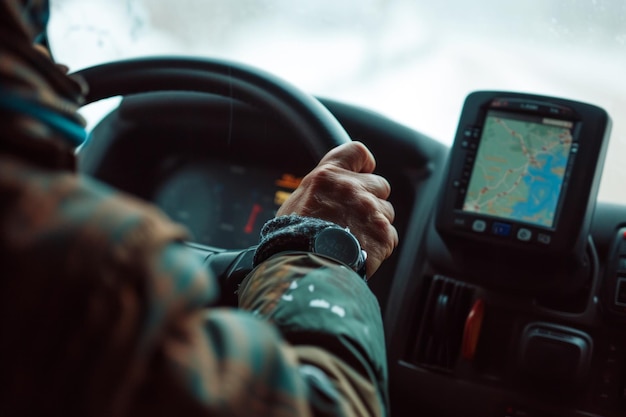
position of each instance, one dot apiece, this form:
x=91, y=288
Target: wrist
x=306, y=234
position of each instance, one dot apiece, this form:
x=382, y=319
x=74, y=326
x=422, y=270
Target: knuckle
x=320, y=177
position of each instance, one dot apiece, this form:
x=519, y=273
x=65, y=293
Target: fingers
x=356, y=158
x=379, y=245
x=353, y=156
x=378, y=236
x=388, y=211
x=375, y=184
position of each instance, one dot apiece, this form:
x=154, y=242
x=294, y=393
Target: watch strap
x=295, y=233
x=288, y=233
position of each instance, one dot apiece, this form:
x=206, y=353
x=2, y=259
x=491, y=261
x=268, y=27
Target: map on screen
x=519, y=169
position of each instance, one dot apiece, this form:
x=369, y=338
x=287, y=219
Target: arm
x=313, y=345
x=332, y=320
x=323, y=309
x=323, y=350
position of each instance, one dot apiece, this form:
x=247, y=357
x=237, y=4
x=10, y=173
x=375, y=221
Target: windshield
x=413, y=61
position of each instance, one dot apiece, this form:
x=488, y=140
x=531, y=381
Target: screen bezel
x=577, y=199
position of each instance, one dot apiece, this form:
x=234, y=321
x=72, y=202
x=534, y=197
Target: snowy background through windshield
x=413, y=61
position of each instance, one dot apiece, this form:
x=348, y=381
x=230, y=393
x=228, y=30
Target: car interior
x=510, y=311
x=506, y=296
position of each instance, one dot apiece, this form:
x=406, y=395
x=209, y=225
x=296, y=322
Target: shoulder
x=73, y=229
x=37, y=203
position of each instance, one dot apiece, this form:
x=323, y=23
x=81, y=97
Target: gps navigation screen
x=520, y=168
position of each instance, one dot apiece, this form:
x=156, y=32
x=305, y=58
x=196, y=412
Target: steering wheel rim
x=299, y=111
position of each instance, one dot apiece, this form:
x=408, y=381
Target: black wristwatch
x=307, y=234
x=340, y=244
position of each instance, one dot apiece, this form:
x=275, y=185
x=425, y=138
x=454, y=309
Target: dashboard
x=223, y=205
x=457, y=344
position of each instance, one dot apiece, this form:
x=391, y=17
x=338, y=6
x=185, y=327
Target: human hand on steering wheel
x=344, y=190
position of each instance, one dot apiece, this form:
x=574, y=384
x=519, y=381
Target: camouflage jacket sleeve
x=311, y=343
x=333, y=322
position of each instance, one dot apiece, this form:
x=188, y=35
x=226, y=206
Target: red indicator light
x=471, y=333
x=256, y=210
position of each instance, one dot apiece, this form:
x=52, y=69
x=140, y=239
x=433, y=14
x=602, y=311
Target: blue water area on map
x=544, y=189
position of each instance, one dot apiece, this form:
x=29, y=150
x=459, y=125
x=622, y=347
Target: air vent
x=443, y=319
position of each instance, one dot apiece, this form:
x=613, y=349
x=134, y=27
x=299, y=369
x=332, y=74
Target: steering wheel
x=295, y=109
x=313, y=123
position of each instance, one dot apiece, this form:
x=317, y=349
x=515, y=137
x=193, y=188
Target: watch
x=295, y=233
x=340, y=244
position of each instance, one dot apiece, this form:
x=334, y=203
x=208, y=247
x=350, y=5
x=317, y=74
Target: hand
x=343, y=189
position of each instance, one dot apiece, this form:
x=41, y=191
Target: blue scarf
x=32, y=86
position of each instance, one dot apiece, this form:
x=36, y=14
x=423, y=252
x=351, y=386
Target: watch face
x=338, y=244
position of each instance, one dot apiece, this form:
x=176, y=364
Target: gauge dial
x=223, y=205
